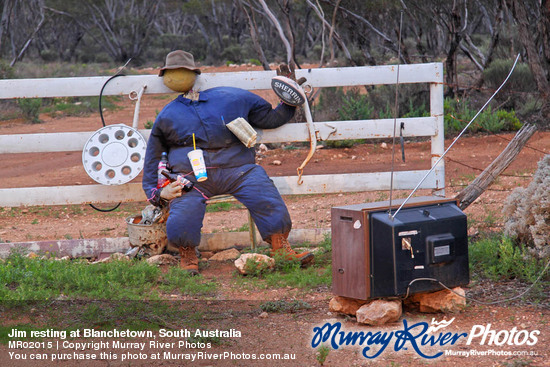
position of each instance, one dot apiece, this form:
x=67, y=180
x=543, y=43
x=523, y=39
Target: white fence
x=431, y=126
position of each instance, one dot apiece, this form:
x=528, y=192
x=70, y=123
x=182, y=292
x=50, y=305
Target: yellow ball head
x=179, y=80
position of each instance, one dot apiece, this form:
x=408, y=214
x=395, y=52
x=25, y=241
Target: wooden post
x=486, y=178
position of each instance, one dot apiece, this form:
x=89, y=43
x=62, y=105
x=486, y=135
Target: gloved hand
x=289, y=72
x=171, y=191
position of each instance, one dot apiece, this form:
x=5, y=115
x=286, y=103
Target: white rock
x=276, y=163
x=240, y=263
x=163, y=259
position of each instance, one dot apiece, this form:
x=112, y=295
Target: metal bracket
x=136, y=96
x=323, y=131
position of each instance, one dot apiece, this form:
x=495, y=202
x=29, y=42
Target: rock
x=112, y=257
x=379, y=312
x=206, y=254
x=440, y=301
x=348, y=306
x=263, y=148
x=118, y=256
x=240, y=263
x=163, y=259
x=276, y=163
x=231, y=254
x=263, y=315
x=384, y=146
x=32, y=255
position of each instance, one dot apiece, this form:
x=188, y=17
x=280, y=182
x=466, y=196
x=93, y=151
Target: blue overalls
x=230, y=165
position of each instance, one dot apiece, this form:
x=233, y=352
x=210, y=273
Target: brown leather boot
x=189, y=260
x=279, y=245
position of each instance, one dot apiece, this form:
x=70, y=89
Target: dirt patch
x=286, y=332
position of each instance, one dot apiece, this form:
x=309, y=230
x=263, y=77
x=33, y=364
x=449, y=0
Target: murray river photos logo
x=419, y=337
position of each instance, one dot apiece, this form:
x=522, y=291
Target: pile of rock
x=383, y=311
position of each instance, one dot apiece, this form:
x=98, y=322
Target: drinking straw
x=194, y=145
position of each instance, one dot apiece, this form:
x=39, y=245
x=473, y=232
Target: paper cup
x=197, y=162
x=242, y=130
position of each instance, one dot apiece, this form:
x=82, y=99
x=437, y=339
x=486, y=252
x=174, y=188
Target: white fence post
x=438, y=140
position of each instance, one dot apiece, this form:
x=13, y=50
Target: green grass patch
x=289, y=273
x=223, y=207
x=22, y=278
x=499, y=258
x=179, y=280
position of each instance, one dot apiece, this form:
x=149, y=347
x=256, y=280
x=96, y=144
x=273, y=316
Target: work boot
x=189, y=260
x=279, y=245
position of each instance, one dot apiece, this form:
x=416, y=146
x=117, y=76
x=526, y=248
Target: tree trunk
x=254, y=36
x=450, y=63
x=331, y=33
x=482, y=182
x=27, y=44
x=337, y=37
x=494, y=41
x=280, y=31
x=4, y=23
x=527, y=40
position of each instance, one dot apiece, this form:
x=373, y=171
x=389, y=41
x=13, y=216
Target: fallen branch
x=486, y=178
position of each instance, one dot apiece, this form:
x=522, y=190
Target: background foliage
x=476, y=39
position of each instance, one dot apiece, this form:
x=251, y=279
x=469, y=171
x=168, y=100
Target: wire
x=396, y=112
x=481, y=170
x=498, y=136
x=476, y=300
x=117, y=74
x=101, y=95
x=105, y=210
x=456, y=139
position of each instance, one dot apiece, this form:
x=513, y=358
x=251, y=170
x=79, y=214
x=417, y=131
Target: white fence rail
x=431, y=126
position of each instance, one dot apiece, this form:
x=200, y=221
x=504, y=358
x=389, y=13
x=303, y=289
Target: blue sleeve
x=264, y=116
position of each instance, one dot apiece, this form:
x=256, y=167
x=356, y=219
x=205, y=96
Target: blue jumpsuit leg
x=255, y=190
x=183, y=227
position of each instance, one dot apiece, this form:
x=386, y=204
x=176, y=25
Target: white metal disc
x=114, y=154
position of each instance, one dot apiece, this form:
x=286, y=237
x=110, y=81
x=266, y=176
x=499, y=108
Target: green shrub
x=30, y=108
x=355, y=106
x=520, y=80
x=498, y=258
x=6, y=71
x=458, y=114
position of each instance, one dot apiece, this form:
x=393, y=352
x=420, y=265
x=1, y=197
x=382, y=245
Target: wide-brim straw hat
x=179, y=60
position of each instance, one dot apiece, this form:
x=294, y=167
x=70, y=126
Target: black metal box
x=376, y=256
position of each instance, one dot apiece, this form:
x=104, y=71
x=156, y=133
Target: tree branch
x=486, y=178
x=274, y=20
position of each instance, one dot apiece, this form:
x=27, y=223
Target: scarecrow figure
x=199, y=119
